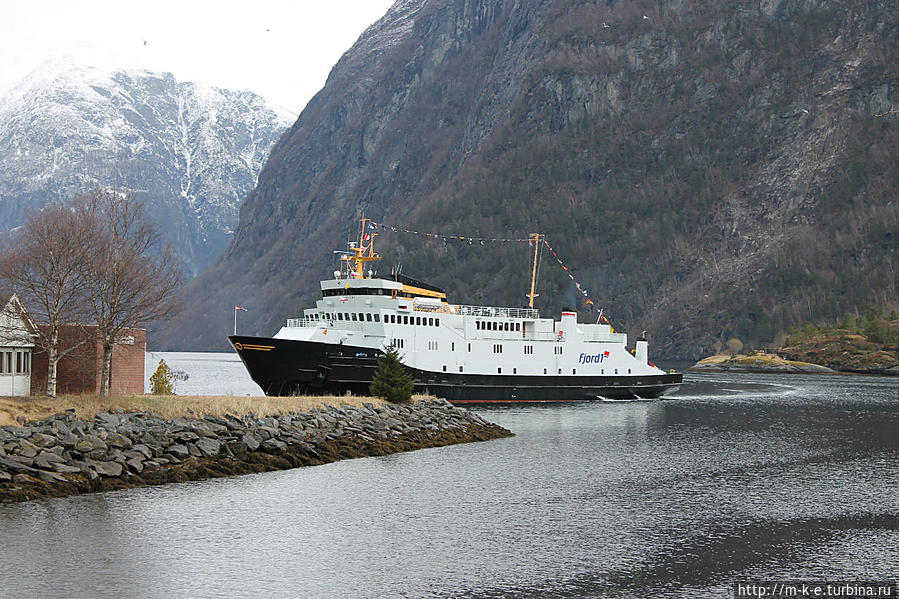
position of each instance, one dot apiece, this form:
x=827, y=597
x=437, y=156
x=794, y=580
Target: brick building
x=79, y=370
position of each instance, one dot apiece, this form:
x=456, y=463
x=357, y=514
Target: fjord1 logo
x=593, y=358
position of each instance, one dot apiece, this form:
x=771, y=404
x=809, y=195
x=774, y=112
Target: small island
x=867, y=345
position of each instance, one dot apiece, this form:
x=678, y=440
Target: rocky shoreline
x=759, y=363
x=63, y=455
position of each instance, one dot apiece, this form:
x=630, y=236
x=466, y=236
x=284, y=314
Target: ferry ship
x=466, y=354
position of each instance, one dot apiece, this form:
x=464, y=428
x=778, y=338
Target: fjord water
x=750, y=477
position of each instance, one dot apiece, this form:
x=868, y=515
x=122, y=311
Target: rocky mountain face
x=706, y=170
x=190, y=152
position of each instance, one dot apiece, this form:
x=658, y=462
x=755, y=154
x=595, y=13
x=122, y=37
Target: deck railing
x=494, y=312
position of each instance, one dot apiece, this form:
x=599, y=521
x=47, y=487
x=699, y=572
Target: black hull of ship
x=285, y=367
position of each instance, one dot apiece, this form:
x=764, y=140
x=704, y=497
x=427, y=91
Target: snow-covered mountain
x=189, y=151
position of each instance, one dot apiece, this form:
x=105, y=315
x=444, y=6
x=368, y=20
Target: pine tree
x=391, y=381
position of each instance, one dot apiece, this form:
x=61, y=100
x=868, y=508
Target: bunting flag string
x=462, y=238
x=483, y=240
x=587, y=300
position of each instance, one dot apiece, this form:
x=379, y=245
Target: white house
x=16, y=344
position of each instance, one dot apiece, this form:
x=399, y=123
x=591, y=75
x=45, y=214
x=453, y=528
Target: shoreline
x=65, y=455
x=766, y=363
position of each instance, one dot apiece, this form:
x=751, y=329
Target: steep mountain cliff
x=706, y=169
x=190, y=152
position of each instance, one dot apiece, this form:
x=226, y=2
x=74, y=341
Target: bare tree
x=130, y=279
x=43, y=264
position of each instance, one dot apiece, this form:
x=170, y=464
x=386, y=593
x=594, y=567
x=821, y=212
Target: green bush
x=391, y=381
x=162, y=382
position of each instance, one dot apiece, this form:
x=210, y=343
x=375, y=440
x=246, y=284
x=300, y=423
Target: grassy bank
x=14, y=409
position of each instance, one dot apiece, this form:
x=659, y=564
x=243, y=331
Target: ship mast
x=360, y=252
x=536, y=238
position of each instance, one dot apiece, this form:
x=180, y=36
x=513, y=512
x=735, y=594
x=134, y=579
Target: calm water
x=743, y=477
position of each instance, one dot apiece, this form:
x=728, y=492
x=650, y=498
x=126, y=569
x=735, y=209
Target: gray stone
x=5, y=476
x=179, y=451
x=209, y=447
x=63, y=467
x=42, y=440
x=144, y=449
x=274, y=446
x=250, y=441
x=108, y=469
x=135, y=465
x=16, y=463
x=90, y=443
x=51, y=477
x=114, y=439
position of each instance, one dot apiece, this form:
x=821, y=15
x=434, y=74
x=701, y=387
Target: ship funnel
x=642, y=350
x=569, y=323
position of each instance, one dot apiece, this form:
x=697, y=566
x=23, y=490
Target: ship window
x=453, y=346
x=477, y=325
x=514, y=371
x=544, y=371
x=353, y=316
x=444, y=368
x=368, y=317
x=361, y=317
x=430, y=322
x=603, y=371
x=506, y=326
x=418, y=320
x=560, y=371
x=628, y=370
x=405, y=319
x=340, y=316
x=460, y=369
x=517, y=326
x=616, y=371
x=377, y=318
x=436, y=322
x=574, y=371
x=469, y=347
x=499, y=371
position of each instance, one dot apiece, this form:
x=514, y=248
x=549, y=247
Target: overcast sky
x=280, y=49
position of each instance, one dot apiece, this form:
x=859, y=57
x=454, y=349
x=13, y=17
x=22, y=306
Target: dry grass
x=174, y=406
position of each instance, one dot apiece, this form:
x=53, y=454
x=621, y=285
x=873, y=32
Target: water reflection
x=763, y=479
